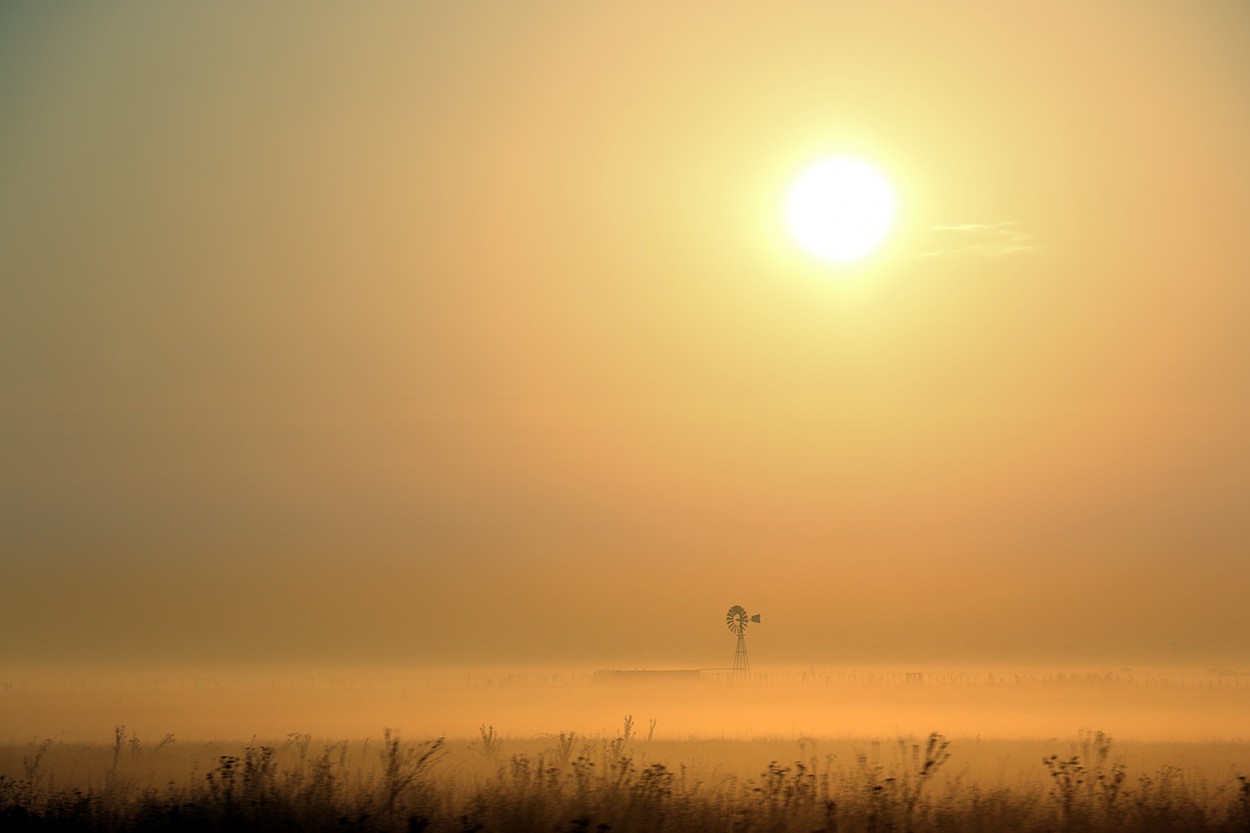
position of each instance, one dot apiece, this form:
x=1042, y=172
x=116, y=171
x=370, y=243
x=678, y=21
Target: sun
x=840, y=209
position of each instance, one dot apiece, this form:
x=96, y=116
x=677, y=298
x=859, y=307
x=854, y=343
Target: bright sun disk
x=840, y=209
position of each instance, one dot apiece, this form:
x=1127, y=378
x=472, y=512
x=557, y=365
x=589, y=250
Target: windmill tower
x=737, y=620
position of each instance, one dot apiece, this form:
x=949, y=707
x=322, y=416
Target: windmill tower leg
x=737, y=619
x=742, y=668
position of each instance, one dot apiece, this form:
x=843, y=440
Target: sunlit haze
x=451, y=341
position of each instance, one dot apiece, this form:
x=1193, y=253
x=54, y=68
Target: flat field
x=801, y=750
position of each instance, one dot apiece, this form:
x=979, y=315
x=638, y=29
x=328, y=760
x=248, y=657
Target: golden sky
x=472, y=332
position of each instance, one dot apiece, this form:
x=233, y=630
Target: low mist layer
x=355, y=702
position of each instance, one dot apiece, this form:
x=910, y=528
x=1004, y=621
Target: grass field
x=623, y=781
x=801, y=750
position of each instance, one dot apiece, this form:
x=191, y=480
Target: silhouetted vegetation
x=607, y=783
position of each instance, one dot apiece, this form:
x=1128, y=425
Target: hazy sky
x=447, y=332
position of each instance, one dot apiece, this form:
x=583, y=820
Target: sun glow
x=840, y=209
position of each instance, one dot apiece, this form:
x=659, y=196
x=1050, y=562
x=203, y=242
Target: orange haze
x=436, y=334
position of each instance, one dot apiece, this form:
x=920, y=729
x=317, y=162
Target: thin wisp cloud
x=982, y=239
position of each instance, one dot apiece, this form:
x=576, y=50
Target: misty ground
x=623, y=781
x=216, y=703
x=299, y=748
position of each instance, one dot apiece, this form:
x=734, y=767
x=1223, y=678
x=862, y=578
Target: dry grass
x=564, y=782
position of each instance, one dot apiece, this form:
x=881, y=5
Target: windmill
x=737, y=620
